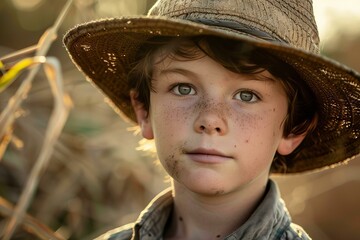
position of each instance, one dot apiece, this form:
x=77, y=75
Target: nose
x=211, y=121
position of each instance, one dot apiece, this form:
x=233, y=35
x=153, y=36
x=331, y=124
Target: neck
x=197, y=216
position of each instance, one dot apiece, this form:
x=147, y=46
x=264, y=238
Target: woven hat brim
x=104, y=50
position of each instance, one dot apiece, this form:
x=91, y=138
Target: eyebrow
x=181, y=71
x=247, y=77
x=260, y=77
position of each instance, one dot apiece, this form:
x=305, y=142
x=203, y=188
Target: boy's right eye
x=183, y=89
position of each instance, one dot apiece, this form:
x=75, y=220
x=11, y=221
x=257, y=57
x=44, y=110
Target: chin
x=208, y=191
x=205, y=185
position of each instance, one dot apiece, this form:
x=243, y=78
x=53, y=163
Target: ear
x=288, y=144
x=142, y=116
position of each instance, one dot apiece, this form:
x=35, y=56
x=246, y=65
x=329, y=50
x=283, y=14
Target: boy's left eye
x=183, y=89
x=246, y=96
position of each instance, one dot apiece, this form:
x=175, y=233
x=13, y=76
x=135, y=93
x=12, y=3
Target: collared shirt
x=270, y=220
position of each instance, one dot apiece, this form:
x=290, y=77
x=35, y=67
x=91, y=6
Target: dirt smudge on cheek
x=175, y=169
x=173, y=162
x=172, y=166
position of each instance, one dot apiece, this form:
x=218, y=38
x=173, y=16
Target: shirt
x=270, y=220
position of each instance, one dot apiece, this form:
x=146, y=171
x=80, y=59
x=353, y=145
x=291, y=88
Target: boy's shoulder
x=121, y=233
x=295, y=232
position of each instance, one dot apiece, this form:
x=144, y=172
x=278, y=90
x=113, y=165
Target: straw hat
x=104, y=49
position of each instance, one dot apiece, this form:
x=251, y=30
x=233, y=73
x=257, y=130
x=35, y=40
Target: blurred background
x=96, y=180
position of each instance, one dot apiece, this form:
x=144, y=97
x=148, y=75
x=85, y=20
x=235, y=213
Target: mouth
x=209, y=156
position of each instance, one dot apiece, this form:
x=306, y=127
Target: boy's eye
x=246, y=96
x=183, y=89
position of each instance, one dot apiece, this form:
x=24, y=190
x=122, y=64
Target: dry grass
x=95, y=179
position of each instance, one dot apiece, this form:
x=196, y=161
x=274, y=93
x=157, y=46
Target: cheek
x=260, y=129
x=170, y=125
x=169, y=119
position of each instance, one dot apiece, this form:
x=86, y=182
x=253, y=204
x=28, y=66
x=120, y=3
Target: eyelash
x=174, y=88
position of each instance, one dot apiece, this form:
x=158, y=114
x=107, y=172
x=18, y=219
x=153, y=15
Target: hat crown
x=290, y=21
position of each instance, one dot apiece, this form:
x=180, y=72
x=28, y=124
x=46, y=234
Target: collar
x=269, y=221
x=152, y=221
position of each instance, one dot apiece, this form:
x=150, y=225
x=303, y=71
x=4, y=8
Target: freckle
x=247, y=141
x=274, y=109
x=218, y=236
x=180, y=219
x=234, y=146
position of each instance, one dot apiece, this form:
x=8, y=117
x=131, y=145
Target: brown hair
x=237, y=57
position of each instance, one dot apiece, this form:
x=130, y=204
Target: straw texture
x=289, y=21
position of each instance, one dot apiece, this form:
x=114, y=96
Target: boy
x=230, y=91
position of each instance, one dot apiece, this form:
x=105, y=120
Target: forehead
x=168, y=57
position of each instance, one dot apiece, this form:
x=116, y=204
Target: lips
x=209, y=156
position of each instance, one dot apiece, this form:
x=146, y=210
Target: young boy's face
x=215, y=131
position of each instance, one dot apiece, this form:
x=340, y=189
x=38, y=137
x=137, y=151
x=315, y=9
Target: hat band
x=240, y=27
